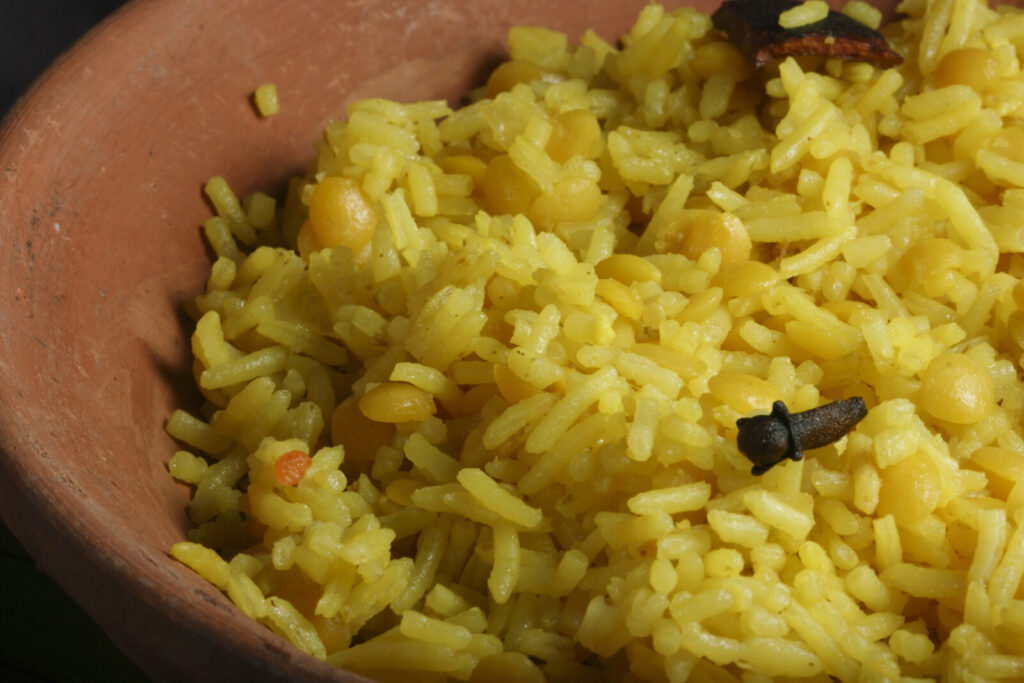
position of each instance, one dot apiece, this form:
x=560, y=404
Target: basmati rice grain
x=265, y=98
x=534, y=342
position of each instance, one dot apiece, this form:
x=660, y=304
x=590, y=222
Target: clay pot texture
x=101, y=168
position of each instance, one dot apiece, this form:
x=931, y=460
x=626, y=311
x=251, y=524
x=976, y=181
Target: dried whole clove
x=767, y=440
x=753, y=26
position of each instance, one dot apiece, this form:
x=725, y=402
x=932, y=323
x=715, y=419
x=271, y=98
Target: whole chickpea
x=956, y=388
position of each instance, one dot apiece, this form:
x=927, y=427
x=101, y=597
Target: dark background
x=44, y=636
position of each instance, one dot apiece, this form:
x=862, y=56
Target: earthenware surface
x=102, y=164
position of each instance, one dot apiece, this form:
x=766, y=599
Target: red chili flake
x=291, y=467
x=647, y=549
x=753, y=26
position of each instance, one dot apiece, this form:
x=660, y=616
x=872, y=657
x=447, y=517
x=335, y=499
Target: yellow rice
x=265, y=99
x=805, y=13
x=515, y=339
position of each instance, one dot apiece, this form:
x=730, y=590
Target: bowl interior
x=103, y=163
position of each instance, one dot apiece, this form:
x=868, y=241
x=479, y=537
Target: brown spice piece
x=753, y=26
x=767, y=440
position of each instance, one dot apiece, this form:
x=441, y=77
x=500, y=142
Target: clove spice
x=767, y=440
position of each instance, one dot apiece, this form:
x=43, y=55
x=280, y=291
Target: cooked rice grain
x=514, y=339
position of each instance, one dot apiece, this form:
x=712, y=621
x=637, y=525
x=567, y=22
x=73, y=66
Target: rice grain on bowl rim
x=473, y=387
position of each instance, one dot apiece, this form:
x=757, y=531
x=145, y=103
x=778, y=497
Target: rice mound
x=472, y=389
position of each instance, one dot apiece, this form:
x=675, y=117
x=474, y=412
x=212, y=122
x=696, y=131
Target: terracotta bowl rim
x=58, y=532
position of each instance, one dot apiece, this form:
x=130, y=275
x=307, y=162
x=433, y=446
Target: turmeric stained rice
x=502, y=350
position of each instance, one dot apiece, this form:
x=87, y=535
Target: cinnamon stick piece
x=753, y=26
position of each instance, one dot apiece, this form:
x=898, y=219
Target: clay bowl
x=100, y=208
